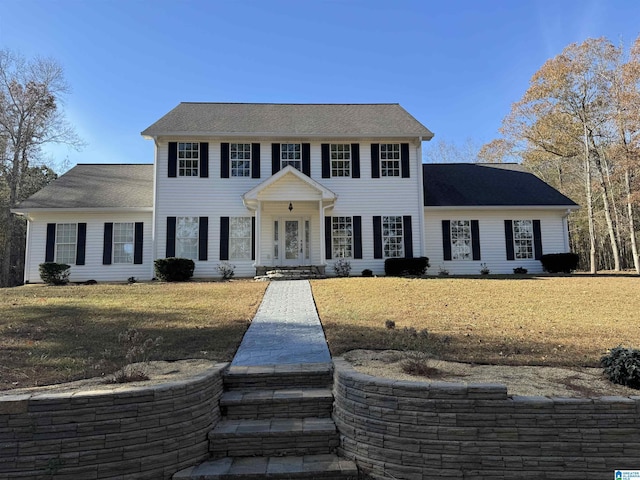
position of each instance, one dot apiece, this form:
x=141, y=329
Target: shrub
x=174, y=269
x=134, y=355
x=484, y=270
x=399, y=267
x=559, y=262
x=420, y=367
x=443, y=272
x=342, y=267
x=53, y=273
x=227, y=270
x=520, y=271
x=367, y=273
x=389, y=324
x=622, y=366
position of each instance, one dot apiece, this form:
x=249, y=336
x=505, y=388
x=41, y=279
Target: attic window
x=188, y=159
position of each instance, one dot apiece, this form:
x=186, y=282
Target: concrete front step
x=327, y=466
x=285, y=403
x=273, y=437
x=279, y=377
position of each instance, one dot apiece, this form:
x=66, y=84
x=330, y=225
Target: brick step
x=285, y=403
x=278, y=377
x=294, y=467
x=273, y=437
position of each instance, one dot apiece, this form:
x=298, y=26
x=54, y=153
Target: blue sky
x=457, y=65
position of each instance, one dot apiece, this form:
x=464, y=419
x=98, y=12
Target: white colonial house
x=283, y=185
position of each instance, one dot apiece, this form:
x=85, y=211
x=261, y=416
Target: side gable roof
x=96, y=186
x=272, y=119
x=487, y=184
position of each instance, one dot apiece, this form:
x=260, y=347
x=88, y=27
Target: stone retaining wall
x=419, y=430
x=127, y=432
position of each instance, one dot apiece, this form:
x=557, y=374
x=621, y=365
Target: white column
x=258, y=261
x=323, y=260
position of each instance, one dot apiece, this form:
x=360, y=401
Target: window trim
x=393, y=165
x=399, y=242
x=194, y=169
x=58, y=243
x=284, y=162
x=179, y=250
x=247, y=148
x=132, y=243
x=455, y=249
x=517, y=242
x=347, y=238
x=233, y=237
x=346, y=167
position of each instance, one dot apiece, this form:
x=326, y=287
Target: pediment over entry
x=289, y=184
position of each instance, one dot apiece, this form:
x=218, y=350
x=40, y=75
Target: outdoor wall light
x=290, y=206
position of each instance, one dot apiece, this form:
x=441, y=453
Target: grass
x=56, y=334
x=559, y=321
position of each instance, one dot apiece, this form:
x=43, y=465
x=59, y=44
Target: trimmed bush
x=520, y=271
x=559, y=262
x=174, y=269
x=622, y=366
x=400, y=267
x=53, y=273
x=367, y=273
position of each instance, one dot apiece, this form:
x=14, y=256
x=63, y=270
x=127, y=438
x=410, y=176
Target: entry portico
x=289, y=207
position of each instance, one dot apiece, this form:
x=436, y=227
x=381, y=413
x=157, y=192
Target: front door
x=294, y=241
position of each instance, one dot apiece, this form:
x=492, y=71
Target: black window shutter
x=326, y=160
x=357, y=237
x=81, y=245
x=107, y=243
x=375, y=161
x=355, y=160
x=138, y=242
x=224, y=160
x=306, y=159
x=50, y=250
x=224, y=238
x=446, y=239
x=173, y=159
x=253, y=238
x=377, y=237
x=537, y=240
x=328, y=247
x=475, y=239
x=203, y=238
x=204, y=160
x=407, y=236
x=508, y=238
x=255, y=160
x=404, y=160
x=171, y=237
x=275, y=158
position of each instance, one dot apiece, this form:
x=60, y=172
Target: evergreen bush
x=400, y=267
x=53, y=273
x=174, y=269
x=622, y=366
x=559, y=262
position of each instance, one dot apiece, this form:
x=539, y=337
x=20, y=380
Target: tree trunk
x=615, y=251
x=589, y=194
x=632, y=229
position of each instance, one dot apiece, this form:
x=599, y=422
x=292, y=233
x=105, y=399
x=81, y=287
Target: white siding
x=492, y=238
x=215, y=197
x=93, y=269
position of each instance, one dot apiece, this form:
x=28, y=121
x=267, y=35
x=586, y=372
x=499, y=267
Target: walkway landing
x=285, y=330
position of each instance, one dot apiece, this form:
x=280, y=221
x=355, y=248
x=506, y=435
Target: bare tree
x=31, y=92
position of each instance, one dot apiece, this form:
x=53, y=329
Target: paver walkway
x=285, y=330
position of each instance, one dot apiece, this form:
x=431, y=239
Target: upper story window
x=523, y=238
x=123, y=239
x=187, y=229
x=342, y=237
x=188, y=159
x=340, y=160
x=66, y=236
x=390, y=159
x=392, y=237
x=461, y=240
x=291, y=154
x=240, y=154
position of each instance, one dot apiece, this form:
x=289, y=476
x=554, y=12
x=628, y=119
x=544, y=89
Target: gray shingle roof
x=269, y=119
x=96, y=186
x=485, y=184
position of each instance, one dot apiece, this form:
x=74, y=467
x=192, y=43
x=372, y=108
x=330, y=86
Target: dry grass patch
x=559, y=321
x=56, y=334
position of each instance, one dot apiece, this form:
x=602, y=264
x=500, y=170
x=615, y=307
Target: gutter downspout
x=421, y=198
